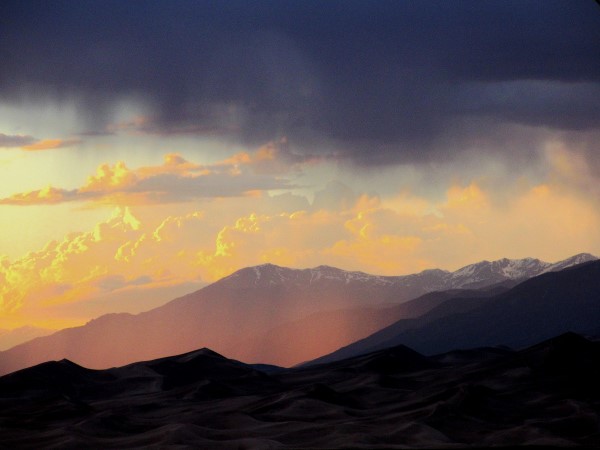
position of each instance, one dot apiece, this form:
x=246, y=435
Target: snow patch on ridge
x=484, y=273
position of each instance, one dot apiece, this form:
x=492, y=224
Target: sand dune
x=546, y=395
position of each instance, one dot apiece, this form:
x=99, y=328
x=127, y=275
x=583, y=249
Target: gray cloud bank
x=381, y=81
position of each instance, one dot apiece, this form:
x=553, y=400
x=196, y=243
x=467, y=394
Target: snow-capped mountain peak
x=473, y=276
x=272, y=275
x=510, y=268
x=572, y=261
x=490, y=272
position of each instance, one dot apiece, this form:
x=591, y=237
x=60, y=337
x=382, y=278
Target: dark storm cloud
x=394, y=77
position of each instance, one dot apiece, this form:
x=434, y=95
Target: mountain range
x=536, y=309
x=276, y=315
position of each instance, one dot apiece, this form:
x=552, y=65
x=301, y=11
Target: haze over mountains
x=271, y=314
x=16, y=336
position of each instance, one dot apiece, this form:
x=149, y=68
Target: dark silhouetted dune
x=543, y=396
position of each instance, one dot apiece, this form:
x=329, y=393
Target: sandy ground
x=546, y=395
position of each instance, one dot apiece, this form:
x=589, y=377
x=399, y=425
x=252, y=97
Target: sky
x=148, y=148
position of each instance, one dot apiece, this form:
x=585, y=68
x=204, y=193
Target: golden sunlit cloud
x=272, y=158
x=84, y=265
x=46, y=196
x=176, y=180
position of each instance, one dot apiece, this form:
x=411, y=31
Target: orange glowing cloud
x=110, y=178
x=84, y=265
x=176, y=180
x=271, y=158
x=29, y=143
x=49, y=144
x=47, y=196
